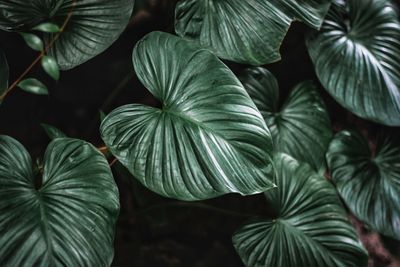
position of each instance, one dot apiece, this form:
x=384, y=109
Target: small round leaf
x=50, y=66
x=34, y=86
x=33, y=41
x=47, y=27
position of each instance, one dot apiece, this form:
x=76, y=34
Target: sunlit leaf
x=207, y=139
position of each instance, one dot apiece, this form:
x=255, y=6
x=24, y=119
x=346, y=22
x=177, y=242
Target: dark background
x=154, y=231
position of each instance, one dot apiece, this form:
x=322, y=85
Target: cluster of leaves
x=215, y=133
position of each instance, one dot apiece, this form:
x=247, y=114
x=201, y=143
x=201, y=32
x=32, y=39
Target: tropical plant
x=218, y=124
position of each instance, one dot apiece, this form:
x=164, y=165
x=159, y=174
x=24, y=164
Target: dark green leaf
x=92, y=28
x=70, y=219
x=357, y=58
x=369, y=182
x=34, y=86
x=4, y=73
x=50, y=66
x=301, y=126
x=47, y=27
x=248, y=31
x=208, y=138
x=311, y=228
x=33, y=41
x=102, y=115
x=53, y=132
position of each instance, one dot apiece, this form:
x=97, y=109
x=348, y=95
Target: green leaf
x=33, y=41
x=70, y=219
x=50, y=66
x=208, y=138
x=52, y=132
x=34, y=86
x=357, y=58
x=248, y=31
x=301, y=126
x=102, y=115
x=92, y=27
x=4, y=73
x=47, y=27
x=369, y=180
x=310, y=229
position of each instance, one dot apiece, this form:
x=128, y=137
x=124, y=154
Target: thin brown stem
x=41, y=55
x=113, y=162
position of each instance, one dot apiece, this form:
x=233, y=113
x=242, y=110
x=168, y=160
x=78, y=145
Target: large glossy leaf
x=69, y=220
x=300, y=126
x=4, y=72
x=248, y=31
x=207, y=139
x=369, y=180
x=357, y=58
x=310, y=229
x=92, y=28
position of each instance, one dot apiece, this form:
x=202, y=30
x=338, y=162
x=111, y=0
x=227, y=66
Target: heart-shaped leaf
x=4, y=73
x=310, y=229
x=357, y=58
x=70, y=219
x=248, y=31
x=92, y=25
x=301, y=126
x=368, y=180
x=208, y=138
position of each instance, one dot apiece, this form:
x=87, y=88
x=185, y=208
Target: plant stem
x=41, y=55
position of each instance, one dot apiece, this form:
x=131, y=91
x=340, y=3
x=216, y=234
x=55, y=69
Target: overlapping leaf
x=92, y=27
x=311, y=228
x=248, y=31
x=357, y=58
x=369, y=181
x=301, y=126
x=208, y=138
x=69, y=220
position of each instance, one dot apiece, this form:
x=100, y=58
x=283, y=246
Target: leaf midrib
x=286, y=223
